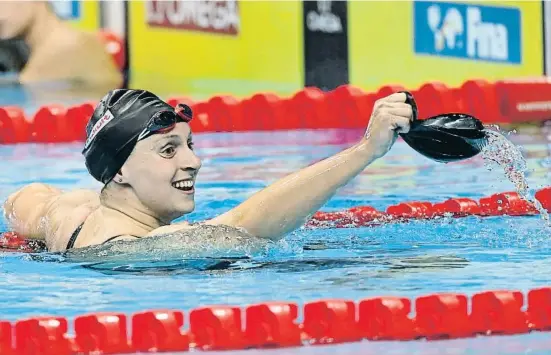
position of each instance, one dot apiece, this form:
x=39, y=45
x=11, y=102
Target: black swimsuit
x=75, y=234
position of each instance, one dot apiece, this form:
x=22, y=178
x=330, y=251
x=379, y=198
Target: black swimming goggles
x=164, y=121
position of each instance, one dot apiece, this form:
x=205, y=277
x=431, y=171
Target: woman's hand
x=391, y=115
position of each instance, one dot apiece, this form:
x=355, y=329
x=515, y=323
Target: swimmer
x=58, y=52
x=141, y=149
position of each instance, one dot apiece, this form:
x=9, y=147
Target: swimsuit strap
x=74, y=236
x=120, y=235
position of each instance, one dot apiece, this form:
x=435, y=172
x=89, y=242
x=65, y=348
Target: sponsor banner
x=203, y=16
x=83, y=14
x=325, y=43
x=210, y=47
x=409, y=43
x=488, y=33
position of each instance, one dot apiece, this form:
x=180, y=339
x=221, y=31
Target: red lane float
x=274, y=324
x=6, y=337
x=443, y=316
x=498, y=312
x=330, y=321
x=114, y=45
x=480, y=100
x=539, y=309
x=434, y=98
x=159, y=331
x=346, y=106
x=202, y=121
x=102, y=333
x=49, y=125
x=386, y=318
x=524, y=100
x=216, y=328
x=42, y=335
x=507, y=203
x=388, y=90
x=13, y=126
x=226, y=113
x=311, y=108
x=12, y=242
x=349, y=107
x=264, y=112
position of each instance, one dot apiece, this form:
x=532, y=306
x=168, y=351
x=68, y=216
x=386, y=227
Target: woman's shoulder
x=70, y=211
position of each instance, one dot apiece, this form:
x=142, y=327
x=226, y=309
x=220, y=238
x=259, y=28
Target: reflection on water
x=371, y=266
x=32, y=96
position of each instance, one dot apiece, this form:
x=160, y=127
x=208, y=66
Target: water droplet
x=505, y=154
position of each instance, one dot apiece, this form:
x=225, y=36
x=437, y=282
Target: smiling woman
x=141, y=149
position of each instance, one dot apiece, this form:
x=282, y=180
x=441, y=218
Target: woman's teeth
x=183, y=185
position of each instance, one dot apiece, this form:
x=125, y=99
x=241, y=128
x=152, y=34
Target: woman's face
x=162, y=170
x=15, y=17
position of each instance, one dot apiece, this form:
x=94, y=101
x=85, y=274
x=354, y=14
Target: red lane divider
x=330, y=321
x=159, y=331
x=114, y=45
x=507, y=203
x=102, y=333
x=274, y=324
x=386, y=318
x=443, y=316
x=6, y=343
x=539, y=309
x=42, y=335
x=216, y=328
x=524, y=100
x=13, y=126
x=12, y=242
x=347, y=106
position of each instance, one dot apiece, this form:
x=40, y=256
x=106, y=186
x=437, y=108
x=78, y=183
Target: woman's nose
x=191, y=161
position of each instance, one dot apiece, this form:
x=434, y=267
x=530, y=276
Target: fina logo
x=323, y=20
x=485, y=40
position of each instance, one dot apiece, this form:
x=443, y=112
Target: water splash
x=204, y=241
x=505, y=154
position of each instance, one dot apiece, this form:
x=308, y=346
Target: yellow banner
x=411, y=42
x=202, y=48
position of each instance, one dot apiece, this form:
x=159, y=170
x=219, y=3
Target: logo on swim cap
x=100, y=124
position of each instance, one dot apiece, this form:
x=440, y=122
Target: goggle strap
x=184, y=111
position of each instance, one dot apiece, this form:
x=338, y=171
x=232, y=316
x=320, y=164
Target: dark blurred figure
x=39, y=46
x=14, y=53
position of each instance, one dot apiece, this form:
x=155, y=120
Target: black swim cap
x=114, y=127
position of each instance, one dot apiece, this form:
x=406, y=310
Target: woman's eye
x=190, y=145
x=168, y=151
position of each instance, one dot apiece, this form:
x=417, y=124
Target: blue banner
x=465, y=31
x=67, y=9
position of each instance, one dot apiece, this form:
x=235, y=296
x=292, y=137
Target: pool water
x=411, y=259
